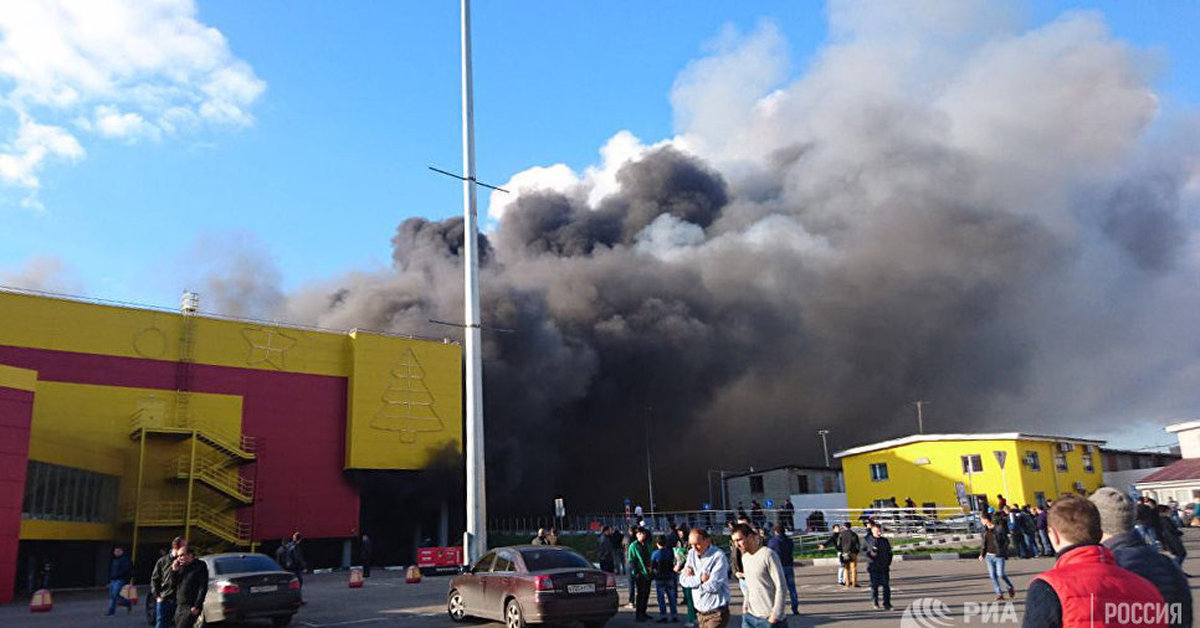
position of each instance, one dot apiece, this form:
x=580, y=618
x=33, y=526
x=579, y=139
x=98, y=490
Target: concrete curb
x=833, y=562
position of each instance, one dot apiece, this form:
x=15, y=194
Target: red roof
x=1186, y=469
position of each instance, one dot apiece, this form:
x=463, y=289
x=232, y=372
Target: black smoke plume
x=958, y=210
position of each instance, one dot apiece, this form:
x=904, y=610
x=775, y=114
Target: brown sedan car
x=533, y=584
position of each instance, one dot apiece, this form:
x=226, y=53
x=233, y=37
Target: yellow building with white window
x=970, y=470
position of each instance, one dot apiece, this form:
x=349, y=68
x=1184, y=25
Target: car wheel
x=151, y=610
x=281, y=621
x=455, y=607
x=512, y=615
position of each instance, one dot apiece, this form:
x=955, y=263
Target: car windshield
x=541, y=560
x=245, y=563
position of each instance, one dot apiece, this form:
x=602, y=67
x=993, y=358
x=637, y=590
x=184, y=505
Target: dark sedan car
x=533, y=584
x=249, y=586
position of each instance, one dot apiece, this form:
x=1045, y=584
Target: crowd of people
x=1108, y=549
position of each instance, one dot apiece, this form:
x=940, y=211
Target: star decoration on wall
x=267, y=346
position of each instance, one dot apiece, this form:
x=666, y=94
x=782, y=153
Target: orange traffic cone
x=41, y=602
x=356, y=579
x=413, y=574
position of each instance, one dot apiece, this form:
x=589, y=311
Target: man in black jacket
x=191, y=585
x=879, y=566
x=162, y=586
x=1117, y=515
x=119, y=571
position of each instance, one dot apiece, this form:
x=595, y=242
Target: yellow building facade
x=970, y=470
x=131, y=425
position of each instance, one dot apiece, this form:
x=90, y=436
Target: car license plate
x=265, y=589
x=581, y=588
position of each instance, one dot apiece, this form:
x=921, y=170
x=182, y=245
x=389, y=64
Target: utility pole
x=824, y=445
x=920, y=416
x=649, y=473
x=476, y=540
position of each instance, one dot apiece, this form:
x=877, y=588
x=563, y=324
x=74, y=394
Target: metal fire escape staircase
x=210, y=477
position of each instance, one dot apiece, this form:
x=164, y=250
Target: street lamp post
x=824, y=445
x=476, y=535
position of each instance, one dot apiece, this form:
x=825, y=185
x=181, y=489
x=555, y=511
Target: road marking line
x=344, y=623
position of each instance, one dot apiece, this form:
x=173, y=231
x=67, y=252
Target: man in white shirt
x=706, y=573
x=764, y=602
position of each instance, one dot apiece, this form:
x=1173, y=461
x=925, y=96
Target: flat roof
x=126, y=305
x=927, y=438
x=1179, y=427
x=803, y=467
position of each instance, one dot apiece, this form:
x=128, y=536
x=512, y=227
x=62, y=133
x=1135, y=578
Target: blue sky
x=360, y=97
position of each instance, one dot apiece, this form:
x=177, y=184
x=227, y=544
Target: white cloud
x=122, y=69
x=596, y=182
x=34, y=143
x=110, y=122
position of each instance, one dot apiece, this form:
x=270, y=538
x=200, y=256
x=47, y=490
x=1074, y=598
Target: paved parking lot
x=387, y=600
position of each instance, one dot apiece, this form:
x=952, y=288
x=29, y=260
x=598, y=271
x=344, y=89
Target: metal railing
x=217, y=473
x=902, y=521
x=227, y=440
x=222, y=524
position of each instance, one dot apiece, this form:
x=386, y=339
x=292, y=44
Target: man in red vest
x=1086, y=587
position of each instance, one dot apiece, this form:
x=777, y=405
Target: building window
x=879, y=472
x=1087, y=462
x=801, y=483
x=829, y=485
x=972, y=463
x=1040, y=498
x=756, y=484
x=57, y=493
x=1033, y=461
x=1060, y=461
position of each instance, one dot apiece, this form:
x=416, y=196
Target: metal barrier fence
x=901, y=521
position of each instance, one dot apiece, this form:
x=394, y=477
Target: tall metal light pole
x=824, y=445
x=476, y=536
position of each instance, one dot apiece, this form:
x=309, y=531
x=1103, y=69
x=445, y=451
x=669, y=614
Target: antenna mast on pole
x=920, y=416
x=476, y=536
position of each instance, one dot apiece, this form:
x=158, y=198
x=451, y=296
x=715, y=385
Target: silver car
x=249, y=586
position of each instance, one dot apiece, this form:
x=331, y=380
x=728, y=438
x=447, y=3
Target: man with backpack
x=666, y=581
x=785, y=549
x=848, y=546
